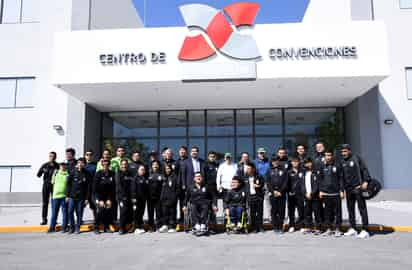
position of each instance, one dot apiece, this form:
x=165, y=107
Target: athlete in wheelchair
x=198, y=204
x=235, y=205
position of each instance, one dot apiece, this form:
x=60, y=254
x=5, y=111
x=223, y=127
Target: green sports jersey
x=59, y=182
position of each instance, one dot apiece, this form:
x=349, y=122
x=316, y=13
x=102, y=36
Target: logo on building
x=216, y=26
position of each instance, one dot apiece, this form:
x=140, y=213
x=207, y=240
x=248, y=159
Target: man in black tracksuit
x=277, y=185
x=284, y=161
x=124, y=179
x=254, y=189
x=234, y=203
x=104, y=189
x=295, y=195
x=318, y=161
x=202, y=202
x=310, y=189
x=301, y=155
x=356, y=178
x=136, y=163
x=180, y=163
x=90, y=167
x=77, y=191
x=140, y=191
x=47, y=170
x=168, y=199
x=210, y=173
x=331, y=191
x=155, y=181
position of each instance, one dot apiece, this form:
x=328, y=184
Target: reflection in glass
x=244, y=145
x=196, y=123
x=310, y=121
x=134, y=124
x=220, y=123
x=173, y=123
x=221, y=146
x=244, y=122
x=268, y=122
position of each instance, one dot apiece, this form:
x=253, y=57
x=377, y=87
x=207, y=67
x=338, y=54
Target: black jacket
x=47, y=170
x=179, y=171
x=104, y=186
x=260, y=193
x=78, y=183
x=241, y=171
x=277, y=179
x=285, y=163
x=332, y=179
x=171, y=162
x=314, y=180
x=124, y=182
x=235, y=197
x=318, y=161
x=355, y=172
x=155, y=182
x=134, y=166
x=295, y=181
x=210, y=172
x=189, y=173
x=170, y=190
x=140, y=188
x=200, y=195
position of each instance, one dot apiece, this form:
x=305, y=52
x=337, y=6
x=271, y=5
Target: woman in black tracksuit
x=139, y=197
x=168, y=198
x=124, y=179
x=155, y=188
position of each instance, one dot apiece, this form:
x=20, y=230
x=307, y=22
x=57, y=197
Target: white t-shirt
x=225, y=175
x=252, y=189
x=308, y=182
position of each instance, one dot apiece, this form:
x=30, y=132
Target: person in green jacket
x=120, y=155
x=59, y=182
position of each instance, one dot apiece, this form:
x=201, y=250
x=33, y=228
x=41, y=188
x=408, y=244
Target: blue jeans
x=235, y=214
x=75, y=206
x=56, y=205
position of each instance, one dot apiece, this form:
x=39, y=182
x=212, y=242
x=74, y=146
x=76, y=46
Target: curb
x=90, y=227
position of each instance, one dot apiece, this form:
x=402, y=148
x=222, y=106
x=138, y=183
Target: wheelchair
x=188, y=224
x=231, y=228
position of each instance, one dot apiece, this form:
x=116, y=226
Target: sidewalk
x=384, y=213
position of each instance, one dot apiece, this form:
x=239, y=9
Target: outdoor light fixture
x=57, y=127
x=388, y=122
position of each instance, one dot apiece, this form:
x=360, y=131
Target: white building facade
x=91, y=68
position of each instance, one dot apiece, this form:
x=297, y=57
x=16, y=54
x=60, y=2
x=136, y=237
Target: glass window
x=174, y=144
x=22, y=180
x=271, y=144
x=244, y=122
x=409, y=82
x=268, y=122
x=11, y=11
x=244, y=145
x=405, y=3
x=221, y=146
x=30, y=11
x=24, y=95
x=133, y=124
x=311, y=121
x=173, y=123
x=7, y=93
x=196, y=123
x=5, y=174
x=220, y=123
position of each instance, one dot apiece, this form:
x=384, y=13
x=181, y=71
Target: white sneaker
x=302, y=230
x=291, y=229
x=351, y=232
x=202, y=227
x=171, y=231
x=139, y=231
x=163, y=229
x=197, y=227
x=363, y=234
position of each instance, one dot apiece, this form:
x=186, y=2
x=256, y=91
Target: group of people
x=311, y=189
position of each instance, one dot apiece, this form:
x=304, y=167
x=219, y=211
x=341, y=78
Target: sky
x=163, y=13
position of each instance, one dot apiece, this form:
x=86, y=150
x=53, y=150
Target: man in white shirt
x=225, y=174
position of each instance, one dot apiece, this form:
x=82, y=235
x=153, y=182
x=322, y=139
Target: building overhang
x=301, y=65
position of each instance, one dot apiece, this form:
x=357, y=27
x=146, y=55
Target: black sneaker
x=51, y=231
x=96, y=231
x=44, y=222
x=77, y=232
x=121, y=232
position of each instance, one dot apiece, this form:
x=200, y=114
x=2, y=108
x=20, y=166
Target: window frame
x=400, y=5
x=16, y=79
x=11, y=168
x=20, y=18
x=407, y=81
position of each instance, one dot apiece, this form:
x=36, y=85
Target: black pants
x=104, y=216
x=333, y=211
x=181, y=197
x=351, y=198
x=115, y=211
x=278, y=211
x=125, y=212
x=92, y=206
x=199, y=213
x=139, y=213
x=213, y=190
x=296, y=202
x=47, y=190
x=312, y=208
x=153, y=207
x=256, y=213
x=169, y=214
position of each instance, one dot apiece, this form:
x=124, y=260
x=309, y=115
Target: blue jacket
x=262, y=167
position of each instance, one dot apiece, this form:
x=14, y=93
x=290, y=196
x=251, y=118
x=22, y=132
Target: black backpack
x=374, y=186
